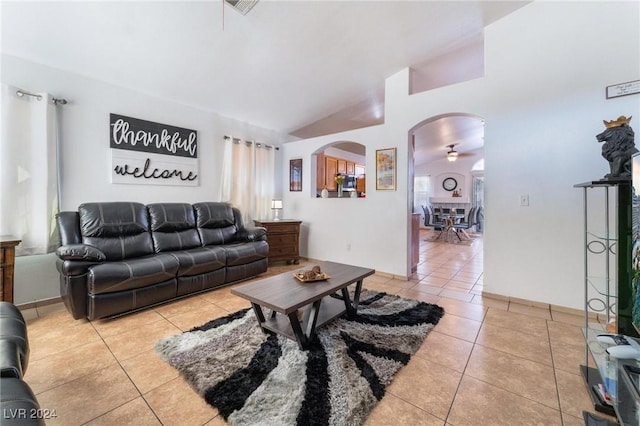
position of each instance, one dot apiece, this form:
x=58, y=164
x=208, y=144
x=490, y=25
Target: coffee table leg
x=259, y=315
x=313, y=319
x=297, y=330
x=302, y=338
x=352, y=308
x=356, y=296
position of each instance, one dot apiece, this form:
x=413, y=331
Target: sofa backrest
x=119, y=229
x=173, y=226
x=216, y=223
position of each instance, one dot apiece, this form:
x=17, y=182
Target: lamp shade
x=276, y=204
x=452, y=156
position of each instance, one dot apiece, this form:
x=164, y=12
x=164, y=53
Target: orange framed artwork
x=386, y=169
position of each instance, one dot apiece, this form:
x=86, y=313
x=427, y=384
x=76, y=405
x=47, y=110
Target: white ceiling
x=303, y=68
x=465, y=132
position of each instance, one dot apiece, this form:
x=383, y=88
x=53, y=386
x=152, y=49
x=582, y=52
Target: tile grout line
x=128, y=377
x=475, y=340
x=559, y=410
x=555, y=371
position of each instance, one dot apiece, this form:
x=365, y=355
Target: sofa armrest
x=80, y=252
x=253, y=233
x=19, y=406
x=11, y=359
x=14, y=346
x=76, y=259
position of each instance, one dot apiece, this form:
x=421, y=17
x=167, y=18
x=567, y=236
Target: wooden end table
x=286, y=295
x=8, y=245
x=283, y=237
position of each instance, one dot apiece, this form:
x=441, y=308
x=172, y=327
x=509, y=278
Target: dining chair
x=463, y=226
x=437, y=212
x=479, y=221
x=430, y=221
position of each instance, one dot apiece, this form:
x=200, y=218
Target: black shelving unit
x=615, y=239
x=607, y=289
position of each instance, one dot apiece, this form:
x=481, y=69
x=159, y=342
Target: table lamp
x=276, y=205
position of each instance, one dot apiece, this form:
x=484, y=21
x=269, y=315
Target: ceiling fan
x=453, y=155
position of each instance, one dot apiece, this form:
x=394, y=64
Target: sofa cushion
x=131, y=273
x=243, y=253
x=173, y=226
x=119, y=229
x=216, y=223
x=110, y=304
x=200, y=260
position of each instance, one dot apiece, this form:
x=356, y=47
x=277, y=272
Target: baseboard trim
x=541, y=305
x=571, y=311
x=495, y=296
x=39, y=303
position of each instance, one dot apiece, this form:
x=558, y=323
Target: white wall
x=542, y=97
x=549, y=64
x=360, y=231
x=440, y=169
x=86, y=158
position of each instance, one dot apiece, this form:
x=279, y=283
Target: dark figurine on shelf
x=618, y=147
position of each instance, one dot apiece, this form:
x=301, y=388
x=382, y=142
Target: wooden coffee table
x=286, y=295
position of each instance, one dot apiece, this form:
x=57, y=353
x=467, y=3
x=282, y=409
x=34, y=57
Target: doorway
x=432, y=167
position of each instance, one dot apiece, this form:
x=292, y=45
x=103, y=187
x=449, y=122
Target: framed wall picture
x=295, y=175
x=386, y=169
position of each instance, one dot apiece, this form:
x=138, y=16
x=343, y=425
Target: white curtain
x=28, y=171
x=265, y=182
x=248, y=176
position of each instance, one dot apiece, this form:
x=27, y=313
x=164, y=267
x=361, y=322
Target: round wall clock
x=449, y=184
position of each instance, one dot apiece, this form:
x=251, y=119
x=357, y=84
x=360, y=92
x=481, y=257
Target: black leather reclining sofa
x=116, y=257
x=18, y=404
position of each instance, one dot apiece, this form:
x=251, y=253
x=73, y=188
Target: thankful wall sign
x=145, y=152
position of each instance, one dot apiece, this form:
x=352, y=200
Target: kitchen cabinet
x=328, y=167
x=321, y=171
x=342, y=166
x=331, y=169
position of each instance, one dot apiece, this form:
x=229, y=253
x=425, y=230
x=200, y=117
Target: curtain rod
x=56, y=101
x=258, y=144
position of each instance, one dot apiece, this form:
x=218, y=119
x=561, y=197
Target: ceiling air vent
x=242, y=6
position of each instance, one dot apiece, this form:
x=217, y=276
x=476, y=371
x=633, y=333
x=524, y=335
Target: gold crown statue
x=616, y=123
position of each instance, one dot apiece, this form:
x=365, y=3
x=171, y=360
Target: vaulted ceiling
x=303, y=68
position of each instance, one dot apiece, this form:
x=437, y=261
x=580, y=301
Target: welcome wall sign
x=145, y=152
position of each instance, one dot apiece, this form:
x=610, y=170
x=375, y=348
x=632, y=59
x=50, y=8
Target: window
x=420, y=193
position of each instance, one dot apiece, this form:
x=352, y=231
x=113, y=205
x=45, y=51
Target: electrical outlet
x=524, y=200
x=349, y=247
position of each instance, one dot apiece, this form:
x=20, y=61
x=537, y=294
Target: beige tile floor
x=487, y=362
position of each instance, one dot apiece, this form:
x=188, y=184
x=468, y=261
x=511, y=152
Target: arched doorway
x=433, y=168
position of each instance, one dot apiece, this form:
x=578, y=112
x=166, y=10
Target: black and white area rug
x=255, y=378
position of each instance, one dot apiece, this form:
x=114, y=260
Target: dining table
x=448, y=232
